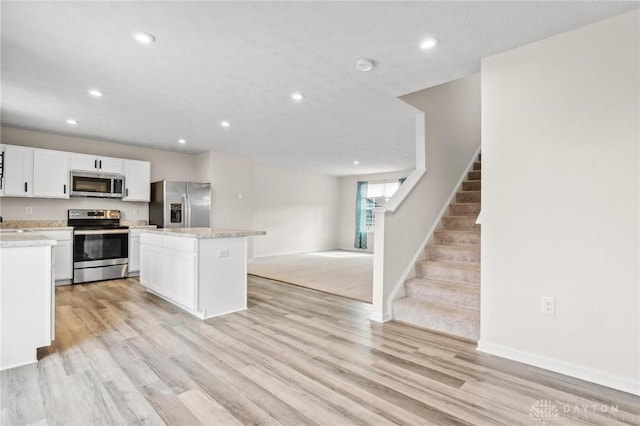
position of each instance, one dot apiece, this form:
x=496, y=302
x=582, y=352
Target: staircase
x=444, y=295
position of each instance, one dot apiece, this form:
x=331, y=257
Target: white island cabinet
x=27, y=298
x=201, y=270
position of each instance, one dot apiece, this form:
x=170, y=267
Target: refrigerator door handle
x=188, y=211
x=185, y=211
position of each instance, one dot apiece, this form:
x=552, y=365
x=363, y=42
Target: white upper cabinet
x=94, y=163
x=110, y=165
x=50, y=174
x=137, y=180
x=17, y=180
x=45, y=173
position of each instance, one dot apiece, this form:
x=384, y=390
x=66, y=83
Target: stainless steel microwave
x=90, y=184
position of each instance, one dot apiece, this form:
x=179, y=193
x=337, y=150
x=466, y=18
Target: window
x=377, y=196
x=369, y=196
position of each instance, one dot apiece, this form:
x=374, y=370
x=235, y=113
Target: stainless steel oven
x=100, y=245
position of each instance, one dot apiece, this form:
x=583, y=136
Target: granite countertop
x=205, y=233
x=61, y=225
x=41, y=225
x=24, y=239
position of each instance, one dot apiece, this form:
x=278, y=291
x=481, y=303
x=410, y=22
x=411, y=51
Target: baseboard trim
x=288, y=253
x=379, y=317
x=574, y=370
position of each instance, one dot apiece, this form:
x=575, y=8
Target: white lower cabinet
x=151, y=267
x=180, y=277
x=134, y=252
x=169, y=270
x=26, y=304
x=206, y=277
x=62, y=254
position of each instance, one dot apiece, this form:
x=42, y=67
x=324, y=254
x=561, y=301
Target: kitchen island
x=26, y=296
x=201, y=270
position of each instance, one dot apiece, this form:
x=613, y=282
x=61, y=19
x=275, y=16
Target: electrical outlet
x=548, y=305
x=223, y=253
x=29, y=210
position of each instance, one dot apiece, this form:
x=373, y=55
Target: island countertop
x=204, y=233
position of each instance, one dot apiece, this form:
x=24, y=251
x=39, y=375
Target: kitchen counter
x=41, y=225
x=136, y=224
x=27, y=314
x=201, y=270
x=205, y=233
x=9, y=239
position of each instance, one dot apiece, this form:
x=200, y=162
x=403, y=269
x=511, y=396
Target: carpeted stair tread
x=457, y=321
x=467, y=273
x=474, y=175
x=453, y=253
x=464, y=209
x=457, y=265
x=472, y=185
x=460, y=222
x=468, y=196
x=457, y=236
x=444, y=293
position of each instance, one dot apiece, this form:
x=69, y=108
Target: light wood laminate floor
x=296, y=357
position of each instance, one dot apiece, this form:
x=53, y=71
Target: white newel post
x=378, y=313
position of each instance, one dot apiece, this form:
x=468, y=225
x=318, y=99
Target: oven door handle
x=100, y=231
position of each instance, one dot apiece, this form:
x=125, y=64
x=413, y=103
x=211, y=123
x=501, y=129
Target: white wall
x=560, y=202
x=231, y=180
x=164, y=165
x=451, y=114
x=298, y=210
x=346, y=221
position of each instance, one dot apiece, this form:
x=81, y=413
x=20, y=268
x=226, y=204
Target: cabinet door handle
x=95, y=164
x=100, y=164
x=65, y=188
x=126, y=192
x=26, y=186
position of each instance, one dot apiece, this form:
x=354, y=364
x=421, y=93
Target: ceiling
x=240, y=62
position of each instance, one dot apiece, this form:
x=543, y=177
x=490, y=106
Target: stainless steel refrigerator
x=176, y=204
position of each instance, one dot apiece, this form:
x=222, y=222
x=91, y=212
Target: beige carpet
x=345, y=273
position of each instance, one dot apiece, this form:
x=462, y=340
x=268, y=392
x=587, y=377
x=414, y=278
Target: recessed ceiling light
x=297, y=96
x=225, y=124
x=72, y=121
x=428, y=43
x=364, y=65
x=144, y=38
x=95, y=93
x=356, y=162
x=182, y=141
